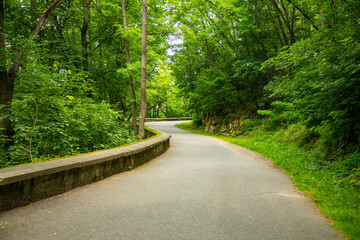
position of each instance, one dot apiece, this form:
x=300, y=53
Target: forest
x=284, y=60
x=70, y=76
x=281, y=77
x=71, y=71
x=276, y=64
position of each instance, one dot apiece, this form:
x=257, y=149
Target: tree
x=308, y=74
x=8, y=75
x=143, y=71
x=131, y=84
x=84, y=34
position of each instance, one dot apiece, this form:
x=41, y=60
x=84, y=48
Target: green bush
x=53, y=115
x=71, y=126
x=320, y=80
x=197, y=122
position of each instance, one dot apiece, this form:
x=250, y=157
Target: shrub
x=197, y=122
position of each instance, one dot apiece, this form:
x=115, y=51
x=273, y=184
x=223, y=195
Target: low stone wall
x=167, y=119
x=25, y=184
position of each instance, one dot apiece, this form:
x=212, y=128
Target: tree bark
x=143, y=71
x=131, y=83
x=8, y=76
x=84, y=32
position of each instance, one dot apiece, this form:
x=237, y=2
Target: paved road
x=201, y=188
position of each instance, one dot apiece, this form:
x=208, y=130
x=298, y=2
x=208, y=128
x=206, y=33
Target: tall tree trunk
x=6, y=85
x=143, y=71
x=7, y=77
x=286, y=41
x=131, y=84
x=288, y=23
x=73, y=33
x=280, y=17
x=84, y=32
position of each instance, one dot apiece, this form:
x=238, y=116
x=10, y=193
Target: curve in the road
x=202, y=188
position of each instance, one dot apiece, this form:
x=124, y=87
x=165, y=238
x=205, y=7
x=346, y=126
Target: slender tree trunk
x=7, y=77
x=293, y=20
x=131, y=83
x=286, y=41
x=73, y=33
x=84, y=32
x=167, y=109
x=281, y=18
x=289, y=25
x=323, y=23
x=143, y=72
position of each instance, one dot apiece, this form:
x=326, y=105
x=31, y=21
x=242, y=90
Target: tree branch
x=16, y=64
x=100, y=43
x=302, y=12
x=18, y=19
x=97, y=36
x=97, y=9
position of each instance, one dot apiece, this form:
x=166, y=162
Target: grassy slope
x=335, y=201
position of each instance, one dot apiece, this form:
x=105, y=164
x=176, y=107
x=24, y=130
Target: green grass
x=334, y=196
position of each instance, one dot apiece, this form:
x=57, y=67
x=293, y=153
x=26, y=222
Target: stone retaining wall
x=25, y=184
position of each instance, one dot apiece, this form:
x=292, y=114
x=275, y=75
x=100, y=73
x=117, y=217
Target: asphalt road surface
x=201, y=188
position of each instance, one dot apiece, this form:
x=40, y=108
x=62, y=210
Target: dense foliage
x=71, y=93
x=287, y=61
